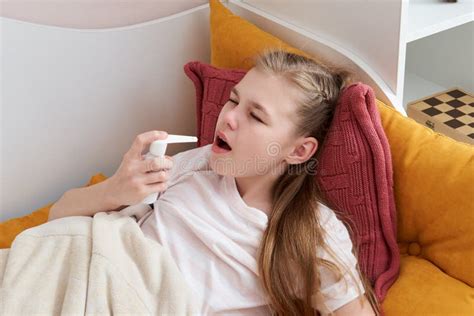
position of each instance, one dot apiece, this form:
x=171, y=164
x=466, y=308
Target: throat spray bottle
x=158, y=149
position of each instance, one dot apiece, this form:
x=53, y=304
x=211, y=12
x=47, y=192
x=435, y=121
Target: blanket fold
x=91, y=265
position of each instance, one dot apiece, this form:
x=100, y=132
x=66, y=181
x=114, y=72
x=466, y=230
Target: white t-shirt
x=214, y=237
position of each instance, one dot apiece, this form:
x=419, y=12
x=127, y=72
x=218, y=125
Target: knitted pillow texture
x=354, y=172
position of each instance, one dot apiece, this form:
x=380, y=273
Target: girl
x=243, y=217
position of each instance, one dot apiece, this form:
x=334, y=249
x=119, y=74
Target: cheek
x=277, y=145
x=259, y=145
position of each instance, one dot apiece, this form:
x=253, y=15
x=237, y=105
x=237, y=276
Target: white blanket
x=82, y=265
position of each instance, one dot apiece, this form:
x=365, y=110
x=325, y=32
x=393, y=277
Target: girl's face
x=258, y=123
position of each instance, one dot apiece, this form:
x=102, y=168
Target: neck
x=257, y=191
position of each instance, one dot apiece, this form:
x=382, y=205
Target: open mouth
x=222, y=144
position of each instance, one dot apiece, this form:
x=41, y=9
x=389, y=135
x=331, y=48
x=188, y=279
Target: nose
x=230, y=118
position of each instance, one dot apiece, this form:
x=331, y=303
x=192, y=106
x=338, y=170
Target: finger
x=157, y=187
x=142, y=142
x=157, y=177
x=155, y=164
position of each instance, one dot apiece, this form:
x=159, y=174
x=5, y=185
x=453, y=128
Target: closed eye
x=251, y=114
x=256, y=117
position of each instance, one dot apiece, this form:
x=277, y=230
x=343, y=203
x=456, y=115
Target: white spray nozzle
x=158, y=147
x=178, y=139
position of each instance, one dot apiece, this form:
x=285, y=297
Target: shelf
x=417, y=88
x=427, y=17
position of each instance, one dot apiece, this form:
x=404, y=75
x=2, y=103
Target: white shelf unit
x=440, y=61
x=413, y=48
x=428, y=17
x=439, y=45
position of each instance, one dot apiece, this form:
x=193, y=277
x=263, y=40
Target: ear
x=305, y=147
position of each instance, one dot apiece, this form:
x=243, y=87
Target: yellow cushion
x=433, y=179
x=11, y=228
x=423, y=289
x=433, y=189
x=242, y=37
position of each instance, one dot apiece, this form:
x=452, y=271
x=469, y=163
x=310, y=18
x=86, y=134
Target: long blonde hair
x=294, y=231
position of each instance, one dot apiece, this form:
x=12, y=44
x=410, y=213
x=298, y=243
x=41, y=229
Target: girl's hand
x=136, y=178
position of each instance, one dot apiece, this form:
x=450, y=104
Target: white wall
x=85, y=14
x=73, y=100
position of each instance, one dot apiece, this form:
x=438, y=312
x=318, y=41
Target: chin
x=222, y=165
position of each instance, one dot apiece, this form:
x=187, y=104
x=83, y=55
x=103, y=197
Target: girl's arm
x=83, y=201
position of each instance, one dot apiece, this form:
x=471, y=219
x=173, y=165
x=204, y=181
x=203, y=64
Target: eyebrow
x=255, y=104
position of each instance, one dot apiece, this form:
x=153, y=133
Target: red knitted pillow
x=355, y=173
x=355, y=169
